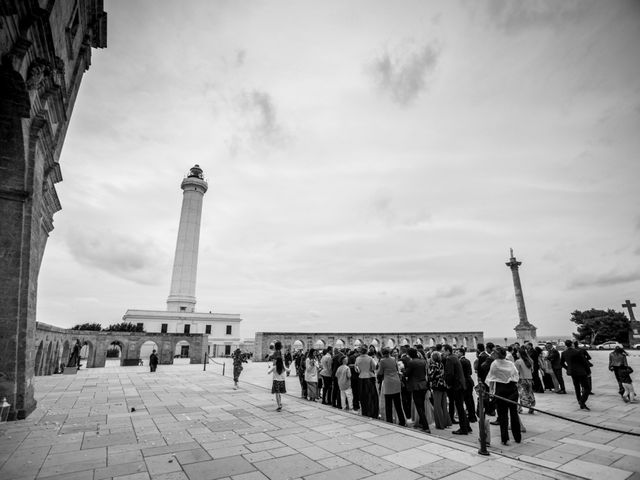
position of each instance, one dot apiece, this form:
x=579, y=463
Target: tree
x=124, y=327
x=88, y=326
x=597, y=326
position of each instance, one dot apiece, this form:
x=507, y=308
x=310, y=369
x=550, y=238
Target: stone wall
x=291, y=340
x=45, y=48
x=53, y=346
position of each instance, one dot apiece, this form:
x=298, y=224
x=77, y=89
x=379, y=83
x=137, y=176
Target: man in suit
x=415, y=373
x=556, y=364
x=577, y=366
x=454, y=376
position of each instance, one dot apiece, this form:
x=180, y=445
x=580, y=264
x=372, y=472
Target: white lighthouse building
x=223, y=329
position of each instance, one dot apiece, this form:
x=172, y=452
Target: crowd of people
x=424, y=387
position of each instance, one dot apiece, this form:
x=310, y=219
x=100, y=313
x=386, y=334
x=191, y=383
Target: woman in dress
x=311, y=375
x=503, y=382
x=524, y=365
x=278, y=385
x=435, y=375
x=391, y=386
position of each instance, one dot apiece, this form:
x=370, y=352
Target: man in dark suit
x=577, y=366
x=415, y=373
x=469, y=384
x=454, y=376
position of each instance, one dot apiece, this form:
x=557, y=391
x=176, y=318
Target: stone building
x=305, y=340
x=45, y=48
x=53, y=346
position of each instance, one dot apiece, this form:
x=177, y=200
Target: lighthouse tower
x=182, y=296
x=180, y=331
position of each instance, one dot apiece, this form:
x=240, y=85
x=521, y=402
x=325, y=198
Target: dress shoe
x=460, y=432
x=495, y=422
x=584, y=407
x=505, y=443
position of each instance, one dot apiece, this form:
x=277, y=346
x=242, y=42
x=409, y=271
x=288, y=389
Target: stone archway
x=320, y=344
x=181, y=350
x=297, y=345
x=145, y=349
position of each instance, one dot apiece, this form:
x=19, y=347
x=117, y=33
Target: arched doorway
x=375, y=343
x=145, y=351
x=114, y=354
x=357, y=343
x=181, y=353
x=298, y=345
x=339, y=344
x=319, y=345
x=391, y=343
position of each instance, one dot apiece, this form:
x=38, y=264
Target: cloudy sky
x=370, y=163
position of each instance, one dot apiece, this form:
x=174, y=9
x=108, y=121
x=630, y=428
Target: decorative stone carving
x=38, y=71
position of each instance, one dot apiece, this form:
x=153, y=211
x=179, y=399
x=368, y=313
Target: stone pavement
x=184, y=423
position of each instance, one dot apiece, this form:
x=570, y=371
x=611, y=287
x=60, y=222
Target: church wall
x=42, y=63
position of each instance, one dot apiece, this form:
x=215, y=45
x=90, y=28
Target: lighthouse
x=182, y=295
x=180, y=331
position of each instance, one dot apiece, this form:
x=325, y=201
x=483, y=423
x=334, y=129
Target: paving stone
x=350, y=472
x=334, y=462
x=120, y=469
x=440, y=468
x=162, y=464
x=592, y=470
x=412, y=458
x=371, y=462
x=215, y=469
x=290, y=467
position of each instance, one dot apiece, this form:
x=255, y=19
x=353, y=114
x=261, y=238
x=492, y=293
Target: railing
x=208, y=359
x=482, y=427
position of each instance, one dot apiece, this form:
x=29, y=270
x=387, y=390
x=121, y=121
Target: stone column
x=525, y=331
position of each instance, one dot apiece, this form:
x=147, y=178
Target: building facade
x=45, y=49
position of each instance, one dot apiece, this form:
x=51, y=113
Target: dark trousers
x=369, y=405
x=303, y=385
x=406, y=401
x=470, y=403
x=394, y=398
x=537, y=383
x=558, y=372
x=506, y=410
x=335, y=394
x=355, y=389
x=327, y=384
x=456, y=403
x=616, y=373
x=582, y=388
x=418, y=399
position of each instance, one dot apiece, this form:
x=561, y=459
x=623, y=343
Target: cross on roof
x=629, y=307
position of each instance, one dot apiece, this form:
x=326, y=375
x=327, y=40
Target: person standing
x=343, y=376
x=524, y=365
x=325, y=372
x=391, y=386
x=310, y=376
x=278, y=386
x=535, y=373
x=469, y=384
x=366, y=368
x=578, y=368
x=625, y=378
x=556, y=366
x=416, y=384
x=503, y=382
x=456, y=386
x=299, y=361
x=153, y=361
x=238, y=360
x=439, y=390
x=618, y=359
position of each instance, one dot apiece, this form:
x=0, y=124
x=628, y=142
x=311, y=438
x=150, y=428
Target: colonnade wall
x=306, y=340
x=54, y=345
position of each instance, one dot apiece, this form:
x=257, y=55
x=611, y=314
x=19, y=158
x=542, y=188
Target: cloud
x=409, y=305
x=241, y=55
x=603, y=280
x=406, y=71
x=256, y=122
x=514, y=17
x=384, y=207
x=119, y=255
x=450, y=292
